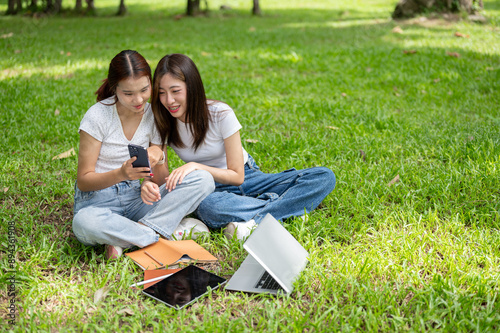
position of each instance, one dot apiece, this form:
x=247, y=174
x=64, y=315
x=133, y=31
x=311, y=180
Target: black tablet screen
x=184, y=287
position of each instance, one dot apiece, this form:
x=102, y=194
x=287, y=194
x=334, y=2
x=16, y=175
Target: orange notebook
x=166, y=253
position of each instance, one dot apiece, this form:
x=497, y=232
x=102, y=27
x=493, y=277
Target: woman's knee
x=324, y=177
x=211, y=202
x=86, y=223
x=208, y=210
x=329, y=176
x=80, y=218
x=206, y=181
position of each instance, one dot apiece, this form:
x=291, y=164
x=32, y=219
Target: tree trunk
x=57, y=6
x=19, y=4
x=256, y=8
x=410, y=8
x=33, y=5
x=122, y=9
x=193, y=7
x=90, y=7
x=11, y=8
x=78, y=5
x=50, y=6
x=53, y=6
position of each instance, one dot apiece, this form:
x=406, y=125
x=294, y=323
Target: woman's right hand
x=177, y=175
x=131, y=173
x=150, y=192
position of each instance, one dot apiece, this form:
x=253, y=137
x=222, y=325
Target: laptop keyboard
x=267, y=282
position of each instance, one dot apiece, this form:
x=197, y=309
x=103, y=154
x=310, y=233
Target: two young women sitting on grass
x=220, y=182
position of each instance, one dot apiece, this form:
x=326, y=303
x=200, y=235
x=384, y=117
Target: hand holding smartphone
x=142, y=158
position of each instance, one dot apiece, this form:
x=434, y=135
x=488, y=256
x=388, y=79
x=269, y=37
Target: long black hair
x=182, y=68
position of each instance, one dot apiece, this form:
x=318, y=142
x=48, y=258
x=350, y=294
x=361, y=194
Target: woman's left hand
x=177, y=175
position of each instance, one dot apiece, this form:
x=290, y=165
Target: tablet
x=184, y=287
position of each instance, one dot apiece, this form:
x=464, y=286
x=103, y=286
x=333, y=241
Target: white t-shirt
x=103, y=124
x=212, y=151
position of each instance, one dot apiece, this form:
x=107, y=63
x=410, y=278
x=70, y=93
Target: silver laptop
x=274, y=262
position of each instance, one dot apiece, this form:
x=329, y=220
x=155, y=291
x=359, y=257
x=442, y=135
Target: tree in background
x=33, y=5
x=409, y=8
x=193, y=7
x=122, y=9
x=55, y=6
x=90, y=7
x=14, y=6
x=256, y=8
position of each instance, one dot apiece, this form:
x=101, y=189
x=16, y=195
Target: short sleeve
x=155, y=136
x=95, y=120
x=226, y=121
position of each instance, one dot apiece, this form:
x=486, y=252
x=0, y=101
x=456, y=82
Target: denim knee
x=84, y=225
x=207, y=210
x=323, y=178
x=207, y=184
x=328, y=177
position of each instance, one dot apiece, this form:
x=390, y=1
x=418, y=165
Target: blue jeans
x=283, y=195
x=110, y=215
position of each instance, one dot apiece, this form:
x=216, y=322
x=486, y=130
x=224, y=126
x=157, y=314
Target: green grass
x=315, y=84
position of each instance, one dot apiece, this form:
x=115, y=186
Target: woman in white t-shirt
x=108, y=206
x=205, y=135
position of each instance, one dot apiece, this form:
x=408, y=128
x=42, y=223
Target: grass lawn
x=408, y=119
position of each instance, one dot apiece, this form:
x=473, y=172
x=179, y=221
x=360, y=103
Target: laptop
x=275, y=260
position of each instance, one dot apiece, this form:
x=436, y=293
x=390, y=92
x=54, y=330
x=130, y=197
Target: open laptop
x=274, y=262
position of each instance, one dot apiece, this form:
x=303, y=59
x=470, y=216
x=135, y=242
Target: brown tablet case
x=166, y=253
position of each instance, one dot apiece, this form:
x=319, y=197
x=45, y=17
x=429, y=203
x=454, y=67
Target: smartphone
x=142, y=157
x=184, y=287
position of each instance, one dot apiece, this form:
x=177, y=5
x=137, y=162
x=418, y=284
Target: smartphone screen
x=142, y=157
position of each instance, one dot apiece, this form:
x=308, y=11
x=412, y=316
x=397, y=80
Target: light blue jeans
x=283, y=195
x=110, y=215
